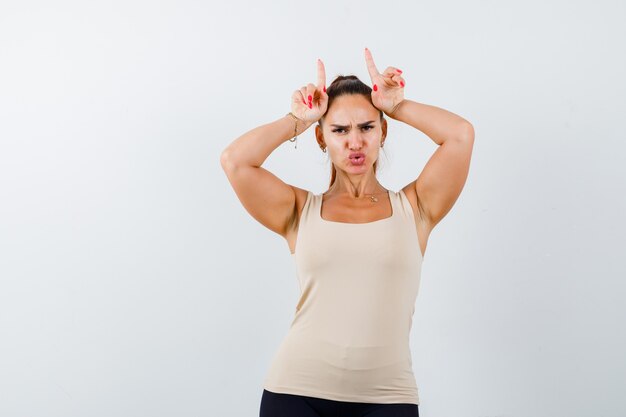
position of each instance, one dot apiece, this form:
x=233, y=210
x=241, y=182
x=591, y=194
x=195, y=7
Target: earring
x=324, y=149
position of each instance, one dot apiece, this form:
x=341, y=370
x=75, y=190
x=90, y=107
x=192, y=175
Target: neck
x=356, y=187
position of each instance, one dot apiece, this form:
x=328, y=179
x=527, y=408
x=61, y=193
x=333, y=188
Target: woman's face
x=352, y=126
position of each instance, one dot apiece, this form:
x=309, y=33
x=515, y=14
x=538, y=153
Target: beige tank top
x=349, y=338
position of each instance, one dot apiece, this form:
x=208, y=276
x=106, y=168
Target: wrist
x=302, y=125
x=298, y=124
x=395, y=111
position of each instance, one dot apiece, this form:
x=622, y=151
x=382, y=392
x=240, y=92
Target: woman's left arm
x=443, y=177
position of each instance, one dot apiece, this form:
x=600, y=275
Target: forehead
x=353, y=107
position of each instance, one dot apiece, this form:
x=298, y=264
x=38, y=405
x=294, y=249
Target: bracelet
x=295, y=129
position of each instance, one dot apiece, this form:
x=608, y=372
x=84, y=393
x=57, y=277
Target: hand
x=310, y=102
x=388, y=87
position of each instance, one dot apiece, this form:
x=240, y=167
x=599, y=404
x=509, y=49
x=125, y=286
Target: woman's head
x=351, y=124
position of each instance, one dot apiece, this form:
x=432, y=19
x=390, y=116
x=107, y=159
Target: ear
x=319, y=136
x=384, y=129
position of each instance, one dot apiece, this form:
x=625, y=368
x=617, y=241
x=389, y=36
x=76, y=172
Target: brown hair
x=344, y=85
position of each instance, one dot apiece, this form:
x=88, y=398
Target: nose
x=355, y=142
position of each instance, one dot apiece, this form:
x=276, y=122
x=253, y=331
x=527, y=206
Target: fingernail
x=375, y=87
x=310, y=98
x=402, y=83
x=399, y=71
x=324, y=88
x=310, y=106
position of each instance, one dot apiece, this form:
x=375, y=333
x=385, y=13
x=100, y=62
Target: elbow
x=466, y=132
x=225, y=160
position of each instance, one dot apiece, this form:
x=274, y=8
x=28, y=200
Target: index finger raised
x=369, y=61
x=321, y=73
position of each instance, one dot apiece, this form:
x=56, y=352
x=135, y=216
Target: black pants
x=275, y=404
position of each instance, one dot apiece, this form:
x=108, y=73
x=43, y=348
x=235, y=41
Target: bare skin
x=366, y=212
x=432, y=194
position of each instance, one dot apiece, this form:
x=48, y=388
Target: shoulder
x=301, y=196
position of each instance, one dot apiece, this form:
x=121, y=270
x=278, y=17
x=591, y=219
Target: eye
x=369, y=127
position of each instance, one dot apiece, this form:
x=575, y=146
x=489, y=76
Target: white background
x=134, y=283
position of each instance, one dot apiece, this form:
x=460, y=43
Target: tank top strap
x=308, y=211
x=394, y=200
x=404, y=206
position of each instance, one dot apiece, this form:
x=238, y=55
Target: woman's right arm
x=266, y=197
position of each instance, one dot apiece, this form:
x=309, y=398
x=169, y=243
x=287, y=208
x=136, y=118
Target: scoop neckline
x=393, y=213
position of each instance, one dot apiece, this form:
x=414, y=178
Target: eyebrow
x=359, y=125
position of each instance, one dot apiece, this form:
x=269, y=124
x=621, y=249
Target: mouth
x=357, y=158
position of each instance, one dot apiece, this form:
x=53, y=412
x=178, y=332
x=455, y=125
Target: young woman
x=358, y=247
